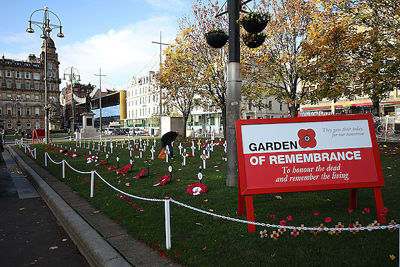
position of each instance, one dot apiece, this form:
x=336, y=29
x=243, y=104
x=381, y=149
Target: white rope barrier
x=127, y=194
x=57, y=163
x=76, y=169
x=369, y=228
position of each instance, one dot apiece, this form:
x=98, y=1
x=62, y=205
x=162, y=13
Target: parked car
x=109, y=131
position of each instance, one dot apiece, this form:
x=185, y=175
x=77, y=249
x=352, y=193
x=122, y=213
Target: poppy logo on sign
x=307, y=138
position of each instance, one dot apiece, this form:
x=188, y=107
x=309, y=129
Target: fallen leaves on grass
x=53, y=248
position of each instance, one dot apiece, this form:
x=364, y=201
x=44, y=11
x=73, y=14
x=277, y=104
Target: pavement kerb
x=94, y=246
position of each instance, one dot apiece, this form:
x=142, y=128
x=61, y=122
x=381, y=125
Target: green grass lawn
x=202, y=240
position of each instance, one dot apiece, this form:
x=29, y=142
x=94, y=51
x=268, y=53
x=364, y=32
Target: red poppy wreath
x=125, y=169
x=163, y=180
x=196, y=189
x=74, y=155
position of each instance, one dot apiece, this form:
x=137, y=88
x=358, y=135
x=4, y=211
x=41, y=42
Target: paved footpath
x=98, y=238
x=29, y=233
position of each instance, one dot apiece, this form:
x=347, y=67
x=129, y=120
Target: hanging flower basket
x=253, y=40
x=216, y=38
x=255, y=22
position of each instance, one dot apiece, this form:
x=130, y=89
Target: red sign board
x=307, y=154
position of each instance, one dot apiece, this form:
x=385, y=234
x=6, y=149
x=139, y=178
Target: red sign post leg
x=240, y=202
x=250, y=213
x=379, y=205
x=353, y=198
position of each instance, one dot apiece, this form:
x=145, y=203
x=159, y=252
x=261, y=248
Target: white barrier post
x=45, y=159
x=167, y=224
x=91, y=183
x=25, y=148
x=63, y=169
x=35, y=152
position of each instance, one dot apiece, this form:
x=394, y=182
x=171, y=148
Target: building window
x=37, y=125
x=9, y=125
x=9, y=111
x=27, y=86
x=28, y=98
x=19, y=126
x=18, y=85
x=51, y=87
x=280, y=106
x=8, y=73
x=36, y=85
x=1, y=111
x=269, y=105
x=8, y=96
x=8, y=84
x=0, y=73
x=18, y=75
x=36, y=111
x=27, y=75
x=28, y=111
x=19, y=111
x=36, y=76
x=50, y=66
x=36, y=98
x=28, y=125
x=19, y=97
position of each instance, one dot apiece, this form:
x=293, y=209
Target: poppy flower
x=316, y=212
x=274, y=235
x=350, y=210
x=328, y=219
x=283, y=222
x=289, y=218
x=263, y=233
x=294, y=233
x=367, y=210
x=272, y=216
x=111, y=168
x=307, y=138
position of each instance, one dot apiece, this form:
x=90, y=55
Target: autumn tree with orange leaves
x=274, y=68
x=354, y=50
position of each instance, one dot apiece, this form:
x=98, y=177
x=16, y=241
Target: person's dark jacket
x=168, y=138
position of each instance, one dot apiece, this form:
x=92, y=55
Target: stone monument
x=88, y=130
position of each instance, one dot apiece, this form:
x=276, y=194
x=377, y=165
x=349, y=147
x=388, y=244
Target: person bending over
x=167, y=139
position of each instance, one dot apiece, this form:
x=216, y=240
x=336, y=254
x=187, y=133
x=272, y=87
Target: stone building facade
x=22, y=92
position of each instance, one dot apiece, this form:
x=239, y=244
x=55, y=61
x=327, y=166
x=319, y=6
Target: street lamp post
x=46, y=28
x=73, y=75
x=233, y=91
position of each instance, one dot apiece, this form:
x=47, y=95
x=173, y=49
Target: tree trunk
x=185, y=119
x=294, y=110
x=375, y=109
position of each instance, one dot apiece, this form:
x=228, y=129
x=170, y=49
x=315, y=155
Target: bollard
x=63, y=169
x=167, y=224
x=45, y=159
x=91, y=183
x=35, y=153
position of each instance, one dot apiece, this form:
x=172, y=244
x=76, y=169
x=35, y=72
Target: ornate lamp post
x=73, y=75
x=46, y=28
